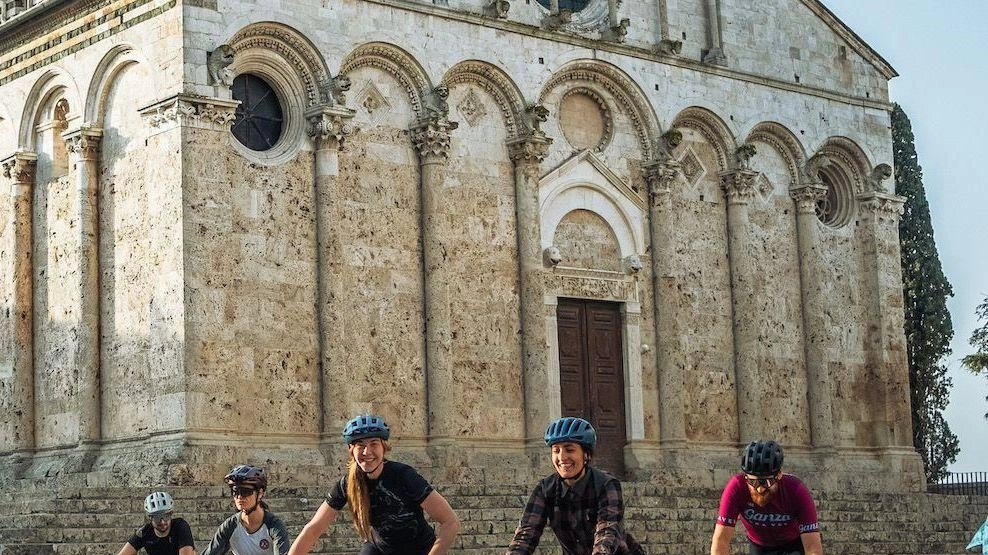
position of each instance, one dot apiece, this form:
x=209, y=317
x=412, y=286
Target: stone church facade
x=229, y=225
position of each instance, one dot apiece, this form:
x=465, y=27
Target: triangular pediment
x=852, y=39
x=589, y=167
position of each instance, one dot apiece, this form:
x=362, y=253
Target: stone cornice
x=330, y=124
x=184, y=110
x=883, y=206
x=856, y=42
x=738, y=185
x=643, y=52
x=431, y=138
x=20, y=167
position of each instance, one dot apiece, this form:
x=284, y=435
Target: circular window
x=259, y=117
x=834, y=209
x=571, y=5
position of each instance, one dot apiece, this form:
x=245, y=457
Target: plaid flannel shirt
x=585, y=522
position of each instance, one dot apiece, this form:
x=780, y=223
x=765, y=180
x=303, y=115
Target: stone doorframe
x=634, y=416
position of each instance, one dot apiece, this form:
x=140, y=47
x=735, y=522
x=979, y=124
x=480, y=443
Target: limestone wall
x=399, y=258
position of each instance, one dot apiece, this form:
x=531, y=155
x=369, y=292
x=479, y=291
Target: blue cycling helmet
x=365, y=426
x=762, y=458
x=572, y=429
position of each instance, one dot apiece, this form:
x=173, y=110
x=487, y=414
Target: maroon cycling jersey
x=789, y=513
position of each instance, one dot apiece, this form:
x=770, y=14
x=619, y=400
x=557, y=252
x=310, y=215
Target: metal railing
x=961, y=483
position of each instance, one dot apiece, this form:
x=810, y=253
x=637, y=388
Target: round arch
x=52, y=83
x=496, y=83
x=563, y=197
x=785, y=143
x=626, y=92
x=713, y=129
x=114, y=61
x=396, y=62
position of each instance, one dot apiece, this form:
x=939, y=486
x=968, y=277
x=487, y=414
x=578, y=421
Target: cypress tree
x=977, y=362
x=927, y=322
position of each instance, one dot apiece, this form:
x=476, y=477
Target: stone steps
x=669, y=521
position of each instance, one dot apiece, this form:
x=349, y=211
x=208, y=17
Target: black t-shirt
x=179, y=536
x=396, y=500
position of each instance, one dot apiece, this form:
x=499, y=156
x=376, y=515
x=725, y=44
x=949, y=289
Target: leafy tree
x=927, y=322
x=978, y=361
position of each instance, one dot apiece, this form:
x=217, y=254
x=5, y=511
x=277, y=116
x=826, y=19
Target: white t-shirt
x=258, y=543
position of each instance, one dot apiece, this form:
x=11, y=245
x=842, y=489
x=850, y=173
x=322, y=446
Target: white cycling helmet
x=158, y=502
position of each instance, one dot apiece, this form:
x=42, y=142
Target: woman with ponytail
x=387, y=500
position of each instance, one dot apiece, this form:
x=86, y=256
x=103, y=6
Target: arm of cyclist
x=438, y=509
x=221, y=540
x=279, y=535
x=721, y=543
x=812, y=544
x=324, y=518
x=609, y=531
x=531, y=525
x=127, y=549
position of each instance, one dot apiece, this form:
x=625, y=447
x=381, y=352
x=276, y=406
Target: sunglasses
x=763, y=481
x=161, y=517
x=240, y=491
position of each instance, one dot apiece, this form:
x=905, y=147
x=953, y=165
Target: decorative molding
x=600, y=166
x=691, y=166
x=184, y=110
x=84, y=141
x=396, y=62
x=624, y=90
x=431, y=138
x=883, y=206
x=472, y=108
x=20, y=167
x=783, y=142
x=605, y=114
x=293, y=48
x=808, y=197
x=496, y=83
x=660, y=175
x=738, y=185
x=330, y=123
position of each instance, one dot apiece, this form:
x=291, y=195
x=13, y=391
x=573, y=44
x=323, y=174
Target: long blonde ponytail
x=358, y=495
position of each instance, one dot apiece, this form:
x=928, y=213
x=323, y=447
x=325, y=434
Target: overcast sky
x=938, y=49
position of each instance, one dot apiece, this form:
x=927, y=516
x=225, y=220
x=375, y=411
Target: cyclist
x=386, y=498
x=582, y=504
x=777, y=509
x=164, y=533
x=253, y=529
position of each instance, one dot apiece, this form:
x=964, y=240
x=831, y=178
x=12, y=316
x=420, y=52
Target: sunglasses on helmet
x=158, y=518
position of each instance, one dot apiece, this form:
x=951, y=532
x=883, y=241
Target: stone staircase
x=42, y=520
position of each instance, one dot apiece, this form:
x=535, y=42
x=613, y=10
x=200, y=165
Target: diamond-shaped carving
x=763, y=186
x=372, y=102
x=691, y=167
x=472, y=108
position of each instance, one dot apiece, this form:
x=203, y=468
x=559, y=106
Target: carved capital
x=330, y=124
x=738, y=185
x=20, y=167
x=529, y=151
x=883, y=207
x=431, y=137
x=84, y=142
x=660, y=175
x=807, y=197
x=184, y=110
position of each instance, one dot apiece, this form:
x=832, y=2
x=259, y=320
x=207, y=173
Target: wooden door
x=591, y=374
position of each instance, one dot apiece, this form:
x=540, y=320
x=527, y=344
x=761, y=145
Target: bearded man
x=777, y=509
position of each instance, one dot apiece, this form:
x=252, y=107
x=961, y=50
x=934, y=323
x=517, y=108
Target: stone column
x=816, y=337
x=431, y=138
x=715, y=52
x=527, y=153
x=660, y=175
x=329, y=126
x=886, y=341
x=20, y=169
x=83, y=145
x=739, y=189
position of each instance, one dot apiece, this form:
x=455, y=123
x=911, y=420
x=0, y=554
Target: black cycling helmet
x=247, y=475
x=365, y=426
x=572, y=429
x=762, y=458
